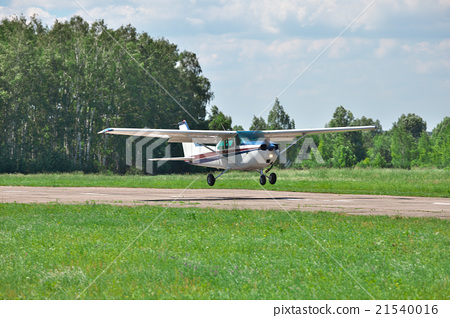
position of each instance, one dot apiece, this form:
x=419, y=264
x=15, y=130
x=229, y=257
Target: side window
x=225, y=144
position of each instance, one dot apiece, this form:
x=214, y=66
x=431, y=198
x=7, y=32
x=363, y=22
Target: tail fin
x=188, y=147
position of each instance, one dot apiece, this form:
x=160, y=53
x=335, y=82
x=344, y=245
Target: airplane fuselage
x=242, y=157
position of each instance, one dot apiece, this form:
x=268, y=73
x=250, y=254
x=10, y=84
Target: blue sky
x=393, y=59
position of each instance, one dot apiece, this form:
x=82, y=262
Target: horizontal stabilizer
x=172, y=159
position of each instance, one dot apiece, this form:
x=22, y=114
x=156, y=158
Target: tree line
x=62, y=84
x=407, y=144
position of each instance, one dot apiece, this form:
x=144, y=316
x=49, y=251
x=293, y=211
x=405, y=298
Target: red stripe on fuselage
x=230, y=151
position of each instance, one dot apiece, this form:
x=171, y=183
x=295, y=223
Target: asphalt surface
x=235, y=199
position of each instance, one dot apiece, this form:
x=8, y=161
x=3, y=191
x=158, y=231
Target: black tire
x=272, y=178
x=262, y=179
x=210, y=179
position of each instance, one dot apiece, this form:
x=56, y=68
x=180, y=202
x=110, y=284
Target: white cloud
x=421, y=48
x=45, y=16
x=424, y=67
x=272, y=13
x=292, y=48
x=255, y=16
x=385, y=46
x=225, y=11
x=6, y=12
x=46, y=4
x=209, y=59
x=339, y=48
x=444, y=45
x=269, y=14
x=42, y=14
x=195, y=21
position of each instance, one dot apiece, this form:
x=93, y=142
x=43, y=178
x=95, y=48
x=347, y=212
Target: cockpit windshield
x=252, y=137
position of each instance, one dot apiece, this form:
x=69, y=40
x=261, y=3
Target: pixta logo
x=304, y=154
x=143, y=148
x=147, y=146
x=308, y=147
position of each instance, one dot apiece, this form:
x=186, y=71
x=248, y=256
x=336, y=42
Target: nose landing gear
x=272, y=178
x=262, y=178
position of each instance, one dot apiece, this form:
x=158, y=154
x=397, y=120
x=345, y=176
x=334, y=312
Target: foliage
x=258, y=124
x=344, y=157
x=406, y=145
x=379, y=161
x=424, y=150
x=278, y=118
x=380, y=153
x=403, y=148
x=218, y=120
x=412, y=123
x=59, y=86
x=440, y=143
x=346, y=149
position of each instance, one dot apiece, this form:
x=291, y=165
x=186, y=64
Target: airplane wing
x=214, y=136
x=174, y=135
x=289, y=134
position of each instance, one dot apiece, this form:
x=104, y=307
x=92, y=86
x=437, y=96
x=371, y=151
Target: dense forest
x=59, y=86
x=62, y=84
x=407, y=144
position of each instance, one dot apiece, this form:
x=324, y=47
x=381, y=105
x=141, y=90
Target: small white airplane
x=233, y=150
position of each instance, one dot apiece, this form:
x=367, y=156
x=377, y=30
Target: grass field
x=427, y=183
x=56, y=251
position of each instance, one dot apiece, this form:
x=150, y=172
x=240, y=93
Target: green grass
x=56, y=251
x=427, y=182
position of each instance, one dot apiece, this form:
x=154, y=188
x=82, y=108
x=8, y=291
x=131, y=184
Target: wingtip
x=105, y=131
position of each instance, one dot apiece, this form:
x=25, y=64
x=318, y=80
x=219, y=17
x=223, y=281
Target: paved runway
x=235, y=199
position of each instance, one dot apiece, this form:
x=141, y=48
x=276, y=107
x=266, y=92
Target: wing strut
x=219, y=154
x=209, y=148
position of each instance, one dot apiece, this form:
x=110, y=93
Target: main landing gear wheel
x=272, y=178
x=210, y=179
x=262, y=179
